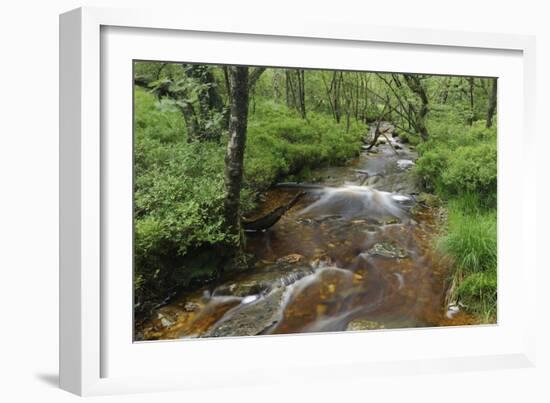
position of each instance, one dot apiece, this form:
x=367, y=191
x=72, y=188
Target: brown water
x=346, y=257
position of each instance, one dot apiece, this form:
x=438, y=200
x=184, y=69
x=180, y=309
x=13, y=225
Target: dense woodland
x=210, y=139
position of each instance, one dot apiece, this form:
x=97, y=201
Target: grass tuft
x=471, y=241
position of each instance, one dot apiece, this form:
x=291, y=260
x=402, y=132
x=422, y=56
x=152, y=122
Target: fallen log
x=270, y=218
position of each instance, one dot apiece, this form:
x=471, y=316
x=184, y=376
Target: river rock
x=165, y=320
x=388, y=249
x=364, y=324
x=292, y=258
x=252, y=318
x=405, y=164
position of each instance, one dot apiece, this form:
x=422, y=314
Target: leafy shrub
x=178, y=201
x=472, y=169
x=281, y=143
x=459, y=159
x=179, y=186
x=430, y=166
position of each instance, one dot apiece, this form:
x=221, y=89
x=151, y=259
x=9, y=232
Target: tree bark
x=492, y=103
x=234, y=157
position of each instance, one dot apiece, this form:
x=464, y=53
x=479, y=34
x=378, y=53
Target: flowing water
x=356, y=253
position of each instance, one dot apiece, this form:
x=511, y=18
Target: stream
x=354, y=253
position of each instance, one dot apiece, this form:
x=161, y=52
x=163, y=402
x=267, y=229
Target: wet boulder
x=405, y=164
x=251, y=319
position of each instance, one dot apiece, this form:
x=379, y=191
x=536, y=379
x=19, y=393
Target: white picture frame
x=96, y=355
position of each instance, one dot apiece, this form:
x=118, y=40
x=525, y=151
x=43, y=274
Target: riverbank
x=356, y=254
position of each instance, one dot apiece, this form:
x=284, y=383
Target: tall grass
x=471, y=241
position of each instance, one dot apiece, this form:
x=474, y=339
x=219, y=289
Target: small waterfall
x=356, y=201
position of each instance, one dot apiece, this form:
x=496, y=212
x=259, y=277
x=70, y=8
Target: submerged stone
x=388, y=249
x=364, y=324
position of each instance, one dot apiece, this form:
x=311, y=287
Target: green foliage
x=472, y=169
x=280, y=143
x=410, y=139
x=178, y=198
x=459, y=159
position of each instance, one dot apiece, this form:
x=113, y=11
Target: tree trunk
x=301, y=92
x=287, y=87
x=415, y=84
x=492, y=103
x=191, y=122
x=445, y=92
x=234, y=158
x=472, y=110
x=337, y=103
x=292, y=97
